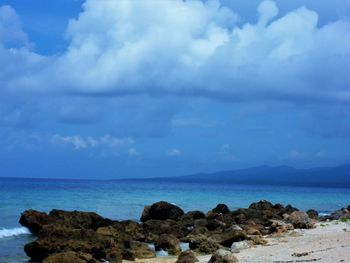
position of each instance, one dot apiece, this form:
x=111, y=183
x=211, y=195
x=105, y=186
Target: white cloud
x=173, y=152
x=133, y=152
x=79, y=142
x=187, y=48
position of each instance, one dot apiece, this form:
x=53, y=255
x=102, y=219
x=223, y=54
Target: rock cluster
x=86, y=237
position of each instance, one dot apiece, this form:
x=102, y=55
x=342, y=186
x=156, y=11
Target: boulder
x=154, y=228
x=236, y=247
x=190, y=217
x=34, y=220
x=162, y=211
x=77, y=219
x=339, y=214
x=62, y=239
x=223, y=256
x=169, y=243
x=136, y=249
x=226, y=238
x=313, y=214
x=202, y=244
x=187, y=257
x=300, y=220
x=221, y=209
x=70, y=257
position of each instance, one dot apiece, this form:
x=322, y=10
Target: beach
x=327, y=242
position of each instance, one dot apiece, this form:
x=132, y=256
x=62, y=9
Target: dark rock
x=226, y=238
x=61, y=239
x=34, y=220
x=290, y=209
x=262, y=205
x=339, y=214
x=187, y=257
x=221, y=209
x=300, y=220
x=77, y=219
x=162, y=211
x=203, y=244
x=223, y=256
x=155, y=228
x=215, y=224
x=313, y=214
x=70, y=257
x=169, y=243
x=136, y=249
x=191, y=216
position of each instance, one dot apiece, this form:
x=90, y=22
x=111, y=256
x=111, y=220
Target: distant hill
x=268, y=175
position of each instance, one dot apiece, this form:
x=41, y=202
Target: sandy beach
x=328, y=242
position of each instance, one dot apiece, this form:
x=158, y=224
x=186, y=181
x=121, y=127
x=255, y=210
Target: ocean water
x=125, y=200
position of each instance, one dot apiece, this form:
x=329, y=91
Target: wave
x=10, y=232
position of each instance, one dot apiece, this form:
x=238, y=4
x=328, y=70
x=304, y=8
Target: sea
x=126, y=199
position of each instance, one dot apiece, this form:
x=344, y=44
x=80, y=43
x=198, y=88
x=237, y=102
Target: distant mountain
x=267, y=175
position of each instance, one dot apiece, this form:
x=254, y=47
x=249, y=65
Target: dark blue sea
x=125, y=200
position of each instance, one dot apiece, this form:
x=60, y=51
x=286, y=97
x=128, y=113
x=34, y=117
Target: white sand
x=328, y=243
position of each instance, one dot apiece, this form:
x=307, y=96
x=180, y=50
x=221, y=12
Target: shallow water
x=125, y=200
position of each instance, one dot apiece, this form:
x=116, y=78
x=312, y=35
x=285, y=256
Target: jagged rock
x=215, y=224
x=339, y=214
x=61, y=239
x=280, y=227
x=226, y=238
x=223, y=256
x=313, y=214
x=136, y=249
x=221, y=209
x=70, y=257
x=154, y=228
x=187, y=257
x=162, y=211
x=169, y=243
x=34, y=220
x=190, y=217
x=202, y=244
x=77, y=219
x=300, y=220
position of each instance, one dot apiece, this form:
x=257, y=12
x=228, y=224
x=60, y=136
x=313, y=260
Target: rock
x=136, y=249
x=257, y=240
x=162, y=211
x=187, y=257
x=215, y=224
x=262, y=205
x=290, y=209
x=202, y=244
x=34, y=220
x=169, y=243
x=223, y=256
x=70, y=257
x=191, y=216
x=77, y=219
x=280, y=227
x=236, y=247
x=59, y=239
x=339, y=214
x=300, y=220
x=226, y=238
x=221, y=209
x=154, y=228
x=313, y=214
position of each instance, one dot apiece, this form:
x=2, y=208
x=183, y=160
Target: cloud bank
x=184, y=48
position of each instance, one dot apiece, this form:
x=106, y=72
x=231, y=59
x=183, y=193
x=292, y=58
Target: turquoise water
x=125, y=200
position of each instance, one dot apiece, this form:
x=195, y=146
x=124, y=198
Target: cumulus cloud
x=79, y=142
x=191, y=48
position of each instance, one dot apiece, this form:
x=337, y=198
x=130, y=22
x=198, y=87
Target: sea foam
x=9, y=232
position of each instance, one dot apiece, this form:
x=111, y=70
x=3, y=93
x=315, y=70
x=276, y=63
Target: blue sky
x=110, y=89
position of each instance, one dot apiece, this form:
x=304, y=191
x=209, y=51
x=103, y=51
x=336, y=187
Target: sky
x=119, y=89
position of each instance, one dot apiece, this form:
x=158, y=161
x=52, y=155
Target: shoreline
x=262, y=232
x=327, y=242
